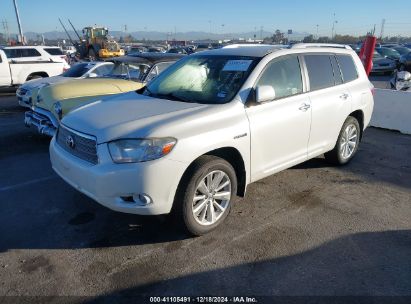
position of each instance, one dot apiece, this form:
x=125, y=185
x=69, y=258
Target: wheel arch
x=42, y=74
x=359, y=115
x=234, y=158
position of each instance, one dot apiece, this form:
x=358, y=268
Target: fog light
x=144, y=198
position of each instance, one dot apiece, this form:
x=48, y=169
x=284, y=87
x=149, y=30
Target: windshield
x=129, y=71
x=77, y=70
x=203, y=79
x=390, y=53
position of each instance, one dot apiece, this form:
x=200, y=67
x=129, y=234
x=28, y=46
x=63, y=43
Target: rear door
x=330, y=101
x=5, y=77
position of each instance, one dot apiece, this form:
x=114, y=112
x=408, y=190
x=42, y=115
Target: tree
x=324, y=39
x=278, y=37
x=308, y=39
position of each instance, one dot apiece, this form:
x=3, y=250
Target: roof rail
x=320, y=45
x=238, y=45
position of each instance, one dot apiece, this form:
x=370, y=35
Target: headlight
x=39, y=98
x=58, y=110
x=140, y=150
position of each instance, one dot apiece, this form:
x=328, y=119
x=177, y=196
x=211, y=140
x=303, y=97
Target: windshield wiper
x=175, y=97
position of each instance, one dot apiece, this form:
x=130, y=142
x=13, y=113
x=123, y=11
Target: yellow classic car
x=129, y=73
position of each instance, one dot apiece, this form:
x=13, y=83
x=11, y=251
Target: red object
x=366, y=53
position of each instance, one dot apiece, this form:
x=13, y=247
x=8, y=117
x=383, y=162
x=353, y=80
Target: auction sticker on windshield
x=237, y=65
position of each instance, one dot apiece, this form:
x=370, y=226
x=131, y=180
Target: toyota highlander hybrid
x=211, y=124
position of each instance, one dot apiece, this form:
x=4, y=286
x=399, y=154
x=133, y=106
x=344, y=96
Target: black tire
x=183, y=203
x=336, y=155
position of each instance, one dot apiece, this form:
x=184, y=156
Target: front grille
x=84, y=146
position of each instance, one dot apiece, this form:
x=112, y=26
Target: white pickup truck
x=14, y=73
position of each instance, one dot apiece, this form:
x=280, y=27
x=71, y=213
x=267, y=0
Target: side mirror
x=92, y=75
x=264, y=93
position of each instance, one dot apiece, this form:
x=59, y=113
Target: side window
x=12, y=53
x=29, y=53
x=103, y=70
x=284, y=75
x=348, y=69
x=320, y=71
x=157, y=69
x=336, y=70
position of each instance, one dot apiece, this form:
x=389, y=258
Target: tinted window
x=336, y=70
x=348, y=68
x=76, y=70
x=320, y=71
x=54, y=51
x=284, y=75
x=29, y=53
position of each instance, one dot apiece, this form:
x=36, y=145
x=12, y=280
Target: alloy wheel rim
x=211, y=198
x=348, y=141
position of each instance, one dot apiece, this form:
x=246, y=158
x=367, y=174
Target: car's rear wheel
x=205, y=194
x=347, y=143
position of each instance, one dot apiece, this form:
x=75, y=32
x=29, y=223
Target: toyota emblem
x=70, y=142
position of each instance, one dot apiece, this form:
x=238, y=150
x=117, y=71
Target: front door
x=280, y=128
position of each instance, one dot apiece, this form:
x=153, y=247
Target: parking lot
x=311, y=230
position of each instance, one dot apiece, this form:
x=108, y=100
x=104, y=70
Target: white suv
x=211, y=124
x=36, y=54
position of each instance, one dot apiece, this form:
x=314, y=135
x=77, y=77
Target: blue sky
x=353, y=16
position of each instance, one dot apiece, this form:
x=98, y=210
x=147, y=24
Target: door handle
x=344, y=96
x=304, y=107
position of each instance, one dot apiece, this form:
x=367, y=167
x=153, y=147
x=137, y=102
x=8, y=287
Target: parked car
x=405, y=63
x=211, y=124
x=37, y=53
x=402, y=50
x=388, y=53
x=382, y=65
x=128, y=73
x=69, y=49
x=177, y=51
x=28, y=91
x=14, y=73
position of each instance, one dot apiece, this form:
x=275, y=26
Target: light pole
x=333, y=29
x=317, y=31
x=18, y=22
x=209, y=21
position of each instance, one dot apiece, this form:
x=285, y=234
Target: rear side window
x=320, y=71
x=284, y=75
x=54, y=51
x=348, y=69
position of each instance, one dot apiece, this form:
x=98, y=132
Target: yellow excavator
x=95, y=43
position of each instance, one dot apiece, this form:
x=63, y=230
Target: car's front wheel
x=347, y=143
x=206, y=194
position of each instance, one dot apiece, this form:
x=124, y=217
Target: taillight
x=373, y=91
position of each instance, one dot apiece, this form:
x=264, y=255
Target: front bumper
x=43, y=120
x=111, y=184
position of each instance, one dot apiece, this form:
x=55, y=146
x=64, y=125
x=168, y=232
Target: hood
x=83, y=89
x=35, y=83
x=128, y=115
